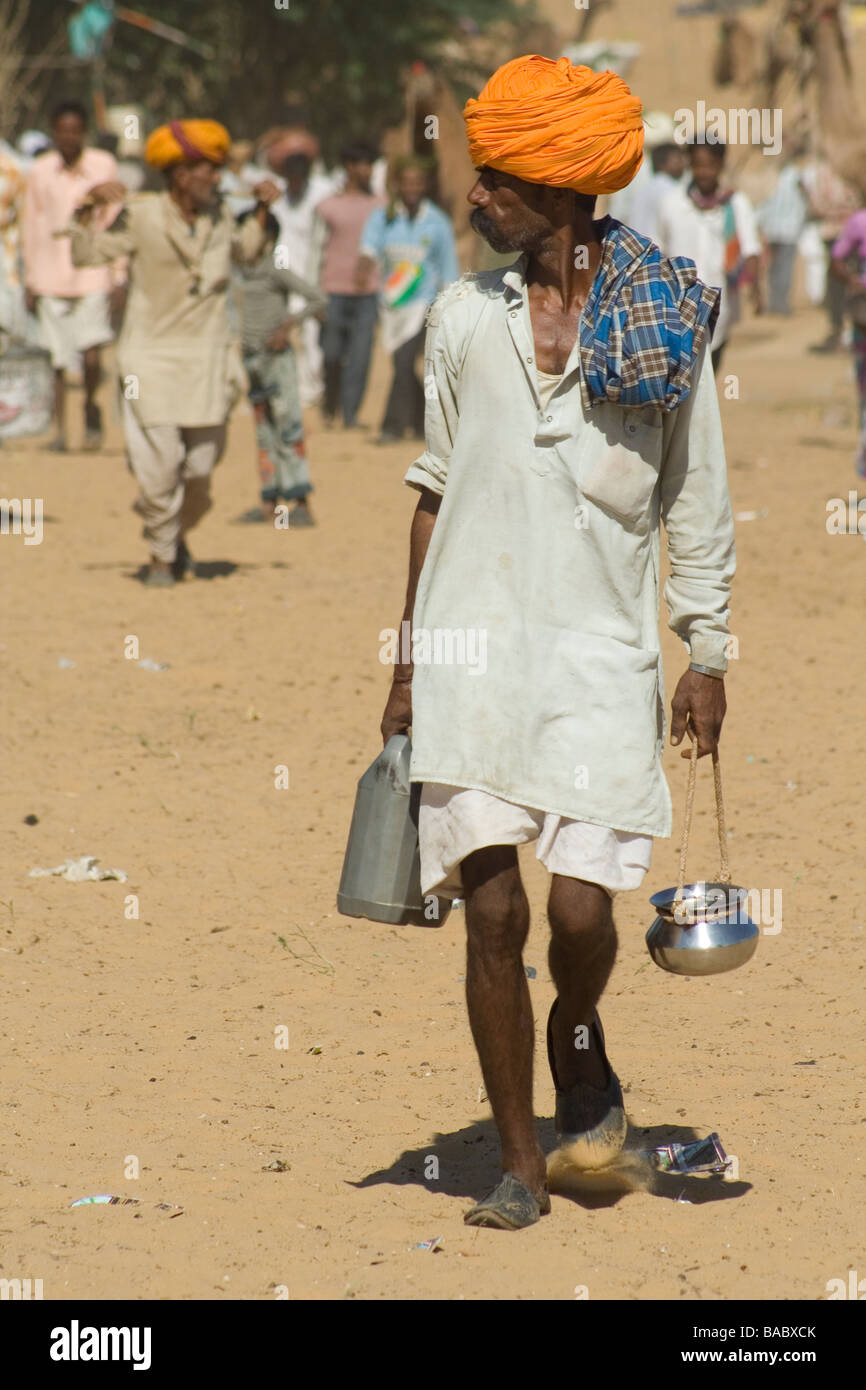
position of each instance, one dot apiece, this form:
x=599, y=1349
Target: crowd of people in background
x=276, y=274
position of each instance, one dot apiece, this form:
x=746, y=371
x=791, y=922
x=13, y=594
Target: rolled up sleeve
x=696, y=511
x=430, y=470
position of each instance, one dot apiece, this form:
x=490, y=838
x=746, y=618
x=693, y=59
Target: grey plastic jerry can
x=382, y=869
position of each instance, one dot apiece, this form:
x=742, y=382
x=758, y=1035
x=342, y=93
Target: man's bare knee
x=497, y=910
x=578, y=910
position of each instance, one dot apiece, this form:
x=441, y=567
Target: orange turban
x=187, y=142
x=549, y=122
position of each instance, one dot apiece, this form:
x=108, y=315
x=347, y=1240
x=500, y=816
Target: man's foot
x=591, y=1124
x=510, y=1206
x=159, y=576
x=92, y=428
x=300, y=515
x=388, y=437
x=58, y=445
x=184, y=565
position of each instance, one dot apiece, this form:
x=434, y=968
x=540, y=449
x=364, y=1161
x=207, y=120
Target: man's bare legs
x=92, y=372
x=581, y=956
x=58, y=444
x=500, y=1012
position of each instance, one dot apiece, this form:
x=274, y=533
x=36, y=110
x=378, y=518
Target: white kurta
x=545, y=553
x=684, y=229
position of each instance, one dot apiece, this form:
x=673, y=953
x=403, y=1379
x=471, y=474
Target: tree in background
x=338, y=64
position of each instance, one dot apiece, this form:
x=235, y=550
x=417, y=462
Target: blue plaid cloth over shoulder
x=643, y=325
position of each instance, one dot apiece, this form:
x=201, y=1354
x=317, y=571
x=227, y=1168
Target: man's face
x=506, y=211
x=68, y=135
x=411, y=186
x=360, y=172
x=199, y=182
x=676, y=163
x=706, y=168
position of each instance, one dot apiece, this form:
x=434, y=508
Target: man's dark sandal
x=510, y=1207
x=590, y=1122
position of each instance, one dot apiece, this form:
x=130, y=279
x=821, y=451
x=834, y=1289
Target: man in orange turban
x=549, y=122
x=187, y=142
x=178, y=361
x=570, y=405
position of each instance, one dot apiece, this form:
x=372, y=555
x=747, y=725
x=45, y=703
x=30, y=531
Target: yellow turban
x=187, y=142
x=549, y=122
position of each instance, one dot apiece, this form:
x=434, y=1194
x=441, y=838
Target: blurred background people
x=831, y=202
x=412, y=242
x=347, y=336
x=271, y=367
x=782, y=219
x=848, y=269
x=669, y=163
x=73, y=304
x=716, y=227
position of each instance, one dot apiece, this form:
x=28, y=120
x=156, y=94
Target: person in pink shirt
x=73, y=305
x=347, y=336
x=848, y=265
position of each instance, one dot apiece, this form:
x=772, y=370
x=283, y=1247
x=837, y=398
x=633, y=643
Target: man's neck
x=186, y=208
x=566, y=264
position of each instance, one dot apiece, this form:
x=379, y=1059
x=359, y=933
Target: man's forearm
x=422, y=529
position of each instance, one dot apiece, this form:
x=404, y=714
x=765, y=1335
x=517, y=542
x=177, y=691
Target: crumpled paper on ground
x=79, y=871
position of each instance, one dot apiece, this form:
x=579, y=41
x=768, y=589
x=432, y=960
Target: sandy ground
x=150, y=1042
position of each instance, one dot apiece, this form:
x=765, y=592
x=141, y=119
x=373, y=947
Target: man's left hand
x=698, y=706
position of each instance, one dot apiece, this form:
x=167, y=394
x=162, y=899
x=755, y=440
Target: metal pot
x=707, y=931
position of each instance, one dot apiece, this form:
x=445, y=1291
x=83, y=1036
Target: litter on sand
x=65, y=664
x=79, y=871
x=432, y=1246
x=757, y=515
x=701, y=1156
x=108, y=1199
x=148, y=664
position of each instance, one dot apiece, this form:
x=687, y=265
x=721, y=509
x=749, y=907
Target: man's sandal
x=510, y=1207
x=591, y=1124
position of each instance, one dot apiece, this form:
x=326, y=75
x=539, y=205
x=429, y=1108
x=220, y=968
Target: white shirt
x=643, y=214
x=547, y=544
x=684, y=229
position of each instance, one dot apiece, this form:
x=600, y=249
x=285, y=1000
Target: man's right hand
x=398, y=711
x=112, y=191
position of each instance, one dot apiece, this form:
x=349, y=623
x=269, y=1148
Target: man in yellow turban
x=179, y=365
x=571, y=406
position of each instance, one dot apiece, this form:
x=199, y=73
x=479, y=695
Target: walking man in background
x=714, y=226
x=573, y=408
x=73, y=303
x=347, y=337
x=412, y=242
x=180, y=370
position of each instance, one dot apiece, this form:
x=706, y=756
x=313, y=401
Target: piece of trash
x=810, y=1063
x=433, y=1245
x=750, y=758
x=65, y=664
x=700, y=1156
x=31, y=820
x=147, y=664
x=752, y=515
x=108, y=1199
x=531, y=972
x=277, y=1165
x=314, y=1050
x=790, y=786
x=456, y=903
x=79, y=871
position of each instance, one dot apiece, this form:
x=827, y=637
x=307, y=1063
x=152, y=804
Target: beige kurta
x=178, y=362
